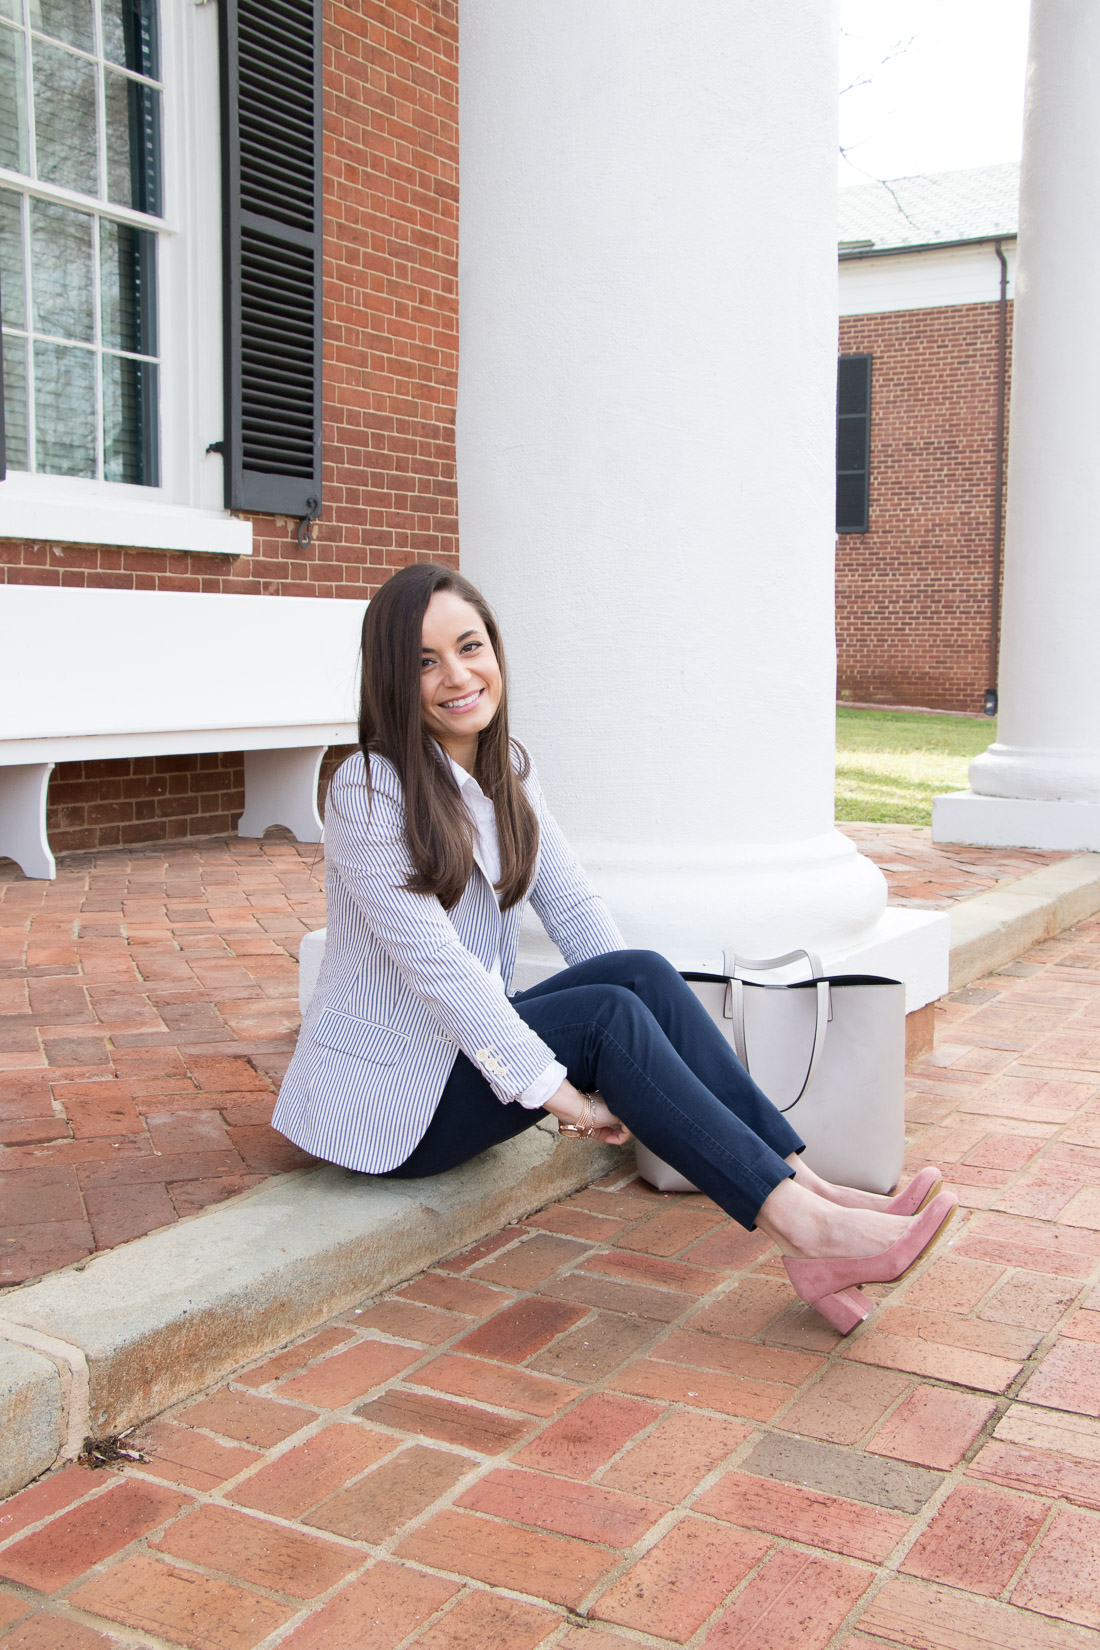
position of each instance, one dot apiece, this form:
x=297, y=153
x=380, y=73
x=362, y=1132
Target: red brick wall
x=913, y=593
x=391, y=360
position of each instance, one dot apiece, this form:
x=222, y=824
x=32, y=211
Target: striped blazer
x=406, y=984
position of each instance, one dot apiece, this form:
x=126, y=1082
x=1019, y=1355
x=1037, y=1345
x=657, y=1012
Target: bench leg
x=280, y=788
x=23, y=818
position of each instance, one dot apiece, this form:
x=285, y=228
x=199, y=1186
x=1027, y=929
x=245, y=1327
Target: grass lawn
x=890, y=764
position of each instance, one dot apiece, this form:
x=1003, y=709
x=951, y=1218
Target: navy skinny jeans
x=627, y=1025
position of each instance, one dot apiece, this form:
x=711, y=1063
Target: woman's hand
x=567, y=1104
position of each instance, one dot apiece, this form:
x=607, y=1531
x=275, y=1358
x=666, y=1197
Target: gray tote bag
x=829, y=1051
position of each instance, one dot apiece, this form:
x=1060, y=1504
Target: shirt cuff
x=536, y=1094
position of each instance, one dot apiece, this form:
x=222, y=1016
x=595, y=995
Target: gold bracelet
x=583, y=1125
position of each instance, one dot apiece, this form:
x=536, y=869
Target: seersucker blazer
x=405, y=985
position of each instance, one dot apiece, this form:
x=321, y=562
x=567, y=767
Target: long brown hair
x=437, y=826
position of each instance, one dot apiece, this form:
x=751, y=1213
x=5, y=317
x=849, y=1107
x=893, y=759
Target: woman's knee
x=615, y=1008
x=646, y=966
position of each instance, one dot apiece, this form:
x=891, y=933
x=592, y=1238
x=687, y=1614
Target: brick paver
x=148, y=1008
x=614, y=1413
x=936, y=874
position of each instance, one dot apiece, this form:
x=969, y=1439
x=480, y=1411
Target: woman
x=412, y=1058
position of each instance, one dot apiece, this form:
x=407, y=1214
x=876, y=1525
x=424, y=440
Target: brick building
x=162, y=434
x=149, y=446
x=925, y=337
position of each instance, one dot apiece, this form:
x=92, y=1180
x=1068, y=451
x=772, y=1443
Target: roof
x=934, y=208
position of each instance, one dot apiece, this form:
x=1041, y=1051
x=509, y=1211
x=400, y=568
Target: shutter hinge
x=305, y=526
x=216, y=447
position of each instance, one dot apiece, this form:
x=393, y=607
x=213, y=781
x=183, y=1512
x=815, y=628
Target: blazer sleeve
x=573, y=914
x=365, y=847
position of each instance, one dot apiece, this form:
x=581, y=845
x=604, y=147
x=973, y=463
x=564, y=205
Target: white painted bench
x=99, y=674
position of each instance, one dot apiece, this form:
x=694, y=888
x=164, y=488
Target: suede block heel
x=846, y=1310
x=828, y=1285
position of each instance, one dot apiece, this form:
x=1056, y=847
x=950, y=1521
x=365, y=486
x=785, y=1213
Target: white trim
x=207, y=665
x=933, y=278
x=104, y=747
x=71, y=510
x=85, y=203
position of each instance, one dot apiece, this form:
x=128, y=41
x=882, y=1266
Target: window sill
x=126, y=516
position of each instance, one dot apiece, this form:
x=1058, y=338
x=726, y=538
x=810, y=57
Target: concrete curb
x=113, y=1340
x=994, y=928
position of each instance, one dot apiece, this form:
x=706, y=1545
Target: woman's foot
x=832, y=1286
x=920, y=1191
x=804, y=1225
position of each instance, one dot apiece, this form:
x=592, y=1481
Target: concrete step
x=996, y=927
x=108, y=1342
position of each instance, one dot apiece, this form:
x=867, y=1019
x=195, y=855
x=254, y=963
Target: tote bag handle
x=735, y=1008
x=761, y=965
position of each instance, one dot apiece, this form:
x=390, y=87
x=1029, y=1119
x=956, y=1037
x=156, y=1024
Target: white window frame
x=185, y=512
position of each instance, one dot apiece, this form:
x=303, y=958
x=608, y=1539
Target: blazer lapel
x=477, y=920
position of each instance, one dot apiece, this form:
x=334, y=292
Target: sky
x=949, y=94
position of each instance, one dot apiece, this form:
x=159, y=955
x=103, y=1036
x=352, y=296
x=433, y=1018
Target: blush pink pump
x=926, y=1184
x=832, y=1286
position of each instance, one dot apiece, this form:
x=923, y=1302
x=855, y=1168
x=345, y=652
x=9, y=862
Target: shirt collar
x=463, y=779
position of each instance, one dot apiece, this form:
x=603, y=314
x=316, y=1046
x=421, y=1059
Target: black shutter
x=271, y=165
x=853, y=443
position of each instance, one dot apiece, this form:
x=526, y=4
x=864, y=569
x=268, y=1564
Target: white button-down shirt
x=483, y=818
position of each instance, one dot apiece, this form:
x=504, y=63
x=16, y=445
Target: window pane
x=15, y=401
x=62, y=271
x=11, y=260
x=64, y=409
x=12, y=8
x=130, y=35
x=14, y=152
x=129, y=420
x=127, y=287
x=68, y=20
x=64, y=116
x=133, y=143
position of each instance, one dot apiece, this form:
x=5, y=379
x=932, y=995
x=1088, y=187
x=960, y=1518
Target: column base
x=688, y=900
x=905, y=944
x=1016, y=822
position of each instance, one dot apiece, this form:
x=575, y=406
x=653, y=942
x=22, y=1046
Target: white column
x=646, y=427
x=1039, y=785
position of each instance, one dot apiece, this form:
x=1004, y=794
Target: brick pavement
x=933, y=875
x=612, y=1425
x=149, y=1002
x=149, y=1006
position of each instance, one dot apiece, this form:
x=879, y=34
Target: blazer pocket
x=379, y=1045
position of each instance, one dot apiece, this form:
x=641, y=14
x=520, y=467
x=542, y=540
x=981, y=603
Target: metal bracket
x=305, y=526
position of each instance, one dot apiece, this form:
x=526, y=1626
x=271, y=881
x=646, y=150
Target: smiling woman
x=414, y=1058
x=460, y=681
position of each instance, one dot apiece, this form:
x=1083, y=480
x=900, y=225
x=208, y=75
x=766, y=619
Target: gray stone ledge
x=995, y=928
x=168, y=1314
x=32, y=1426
